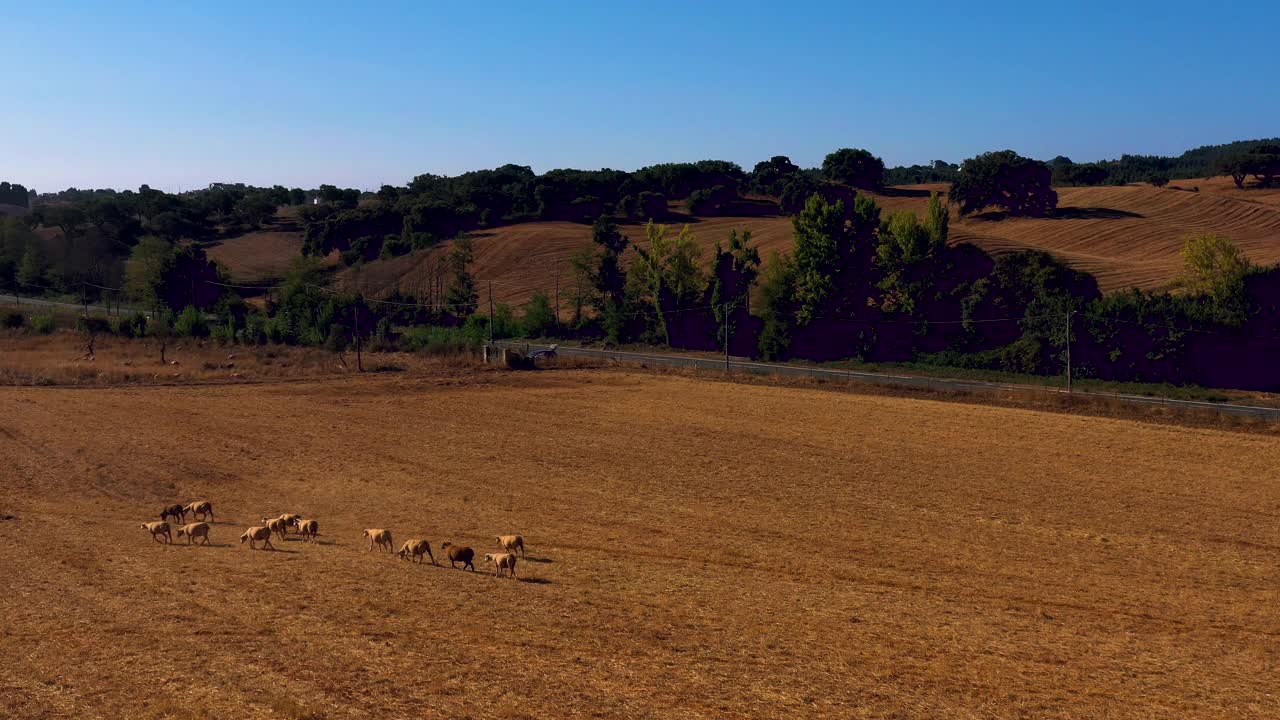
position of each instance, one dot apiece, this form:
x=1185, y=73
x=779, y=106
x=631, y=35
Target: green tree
x=463, y=298
x=855, y=167
x=819, y=232
x=777, y=288
x=1213, y=266
x=907, y=254
x=255, y=209
x=32, y=268
x=539, y=318
x=1006, y=180
x=150, y=262
x=769, y=176
x=733, y=274
x=669, y=273
x=610, y=278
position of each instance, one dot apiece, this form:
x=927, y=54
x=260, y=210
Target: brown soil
x=697, y=550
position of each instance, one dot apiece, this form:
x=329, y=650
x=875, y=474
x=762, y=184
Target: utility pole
x=84, y=298
x=1069, y=314
x=490, y=312
x=557, y=298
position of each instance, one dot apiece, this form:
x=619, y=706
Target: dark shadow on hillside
x=535, y=580
x=903, y=192
x=1091, y=213
x=750, y=208
x=537, y=560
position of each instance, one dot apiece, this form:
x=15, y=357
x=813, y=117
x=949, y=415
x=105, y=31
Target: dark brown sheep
x=457, y=554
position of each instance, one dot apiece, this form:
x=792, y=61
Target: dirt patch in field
x=696, y=550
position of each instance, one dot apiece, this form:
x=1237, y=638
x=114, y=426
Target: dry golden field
x=697, y=549
x=1128, y=236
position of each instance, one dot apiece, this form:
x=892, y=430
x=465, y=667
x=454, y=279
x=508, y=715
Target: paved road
x=763, y=368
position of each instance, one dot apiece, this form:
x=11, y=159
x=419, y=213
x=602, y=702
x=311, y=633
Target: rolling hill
x=1127, y=236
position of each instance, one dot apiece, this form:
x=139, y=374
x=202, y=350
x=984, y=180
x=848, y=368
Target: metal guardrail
x=933, y=383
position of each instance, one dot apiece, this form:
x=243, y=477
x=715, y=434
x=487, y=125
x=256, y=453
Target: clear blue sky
x=120, y=94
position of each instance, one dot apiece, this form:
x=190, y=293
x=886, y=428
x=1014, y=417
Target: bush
x=12, y=319
x=710, y=201
x=224, y=333
x=539, y=317
x=433, y=340
x=93, y=325
x=254, y=331
x=190, y=323
x=44, y=324
x=395, y=246
x=134, y=326
x=339, y=338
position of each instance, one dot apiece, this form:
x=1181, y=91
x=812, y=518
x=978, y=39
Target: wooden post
x=490, y=312
x=557, y=298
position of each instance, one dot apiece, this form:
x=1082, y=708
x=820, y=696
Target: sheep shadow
x=542, y=560
x=535, y=581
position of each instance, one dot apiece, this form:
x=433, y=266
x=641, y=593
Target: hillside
x=1128, y=236
x=265, y=255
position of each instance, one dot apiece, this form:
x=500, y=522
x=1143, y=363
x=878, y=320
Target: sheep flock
x=259, y=537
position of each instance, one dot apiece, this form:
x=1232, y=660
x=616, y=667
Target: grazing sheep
x=457, y=555
x=290, y=520
x=379, y=536
x=502, y=561
x=275, y=525
x=308, y=529
x=177, y=512
x=414, y=549
x=158, y=528
x=255, y=534
x=203, y=508
x=511, y=542
x=195, y=530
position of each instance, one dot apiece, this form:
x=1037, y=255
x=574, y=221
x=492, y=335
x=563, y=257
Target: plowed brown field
x=1127, y=236
x=696, y=550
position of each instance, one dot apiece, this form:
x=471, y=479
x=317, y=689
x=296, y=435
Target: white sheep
x=379, y=536
x=502, y=561
x=255, y=534
x=308, y=529
x=511, y=542
x=195, y=530
x=158, y=528
x=414, y=549
x=276, y=526
x=203, y=508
